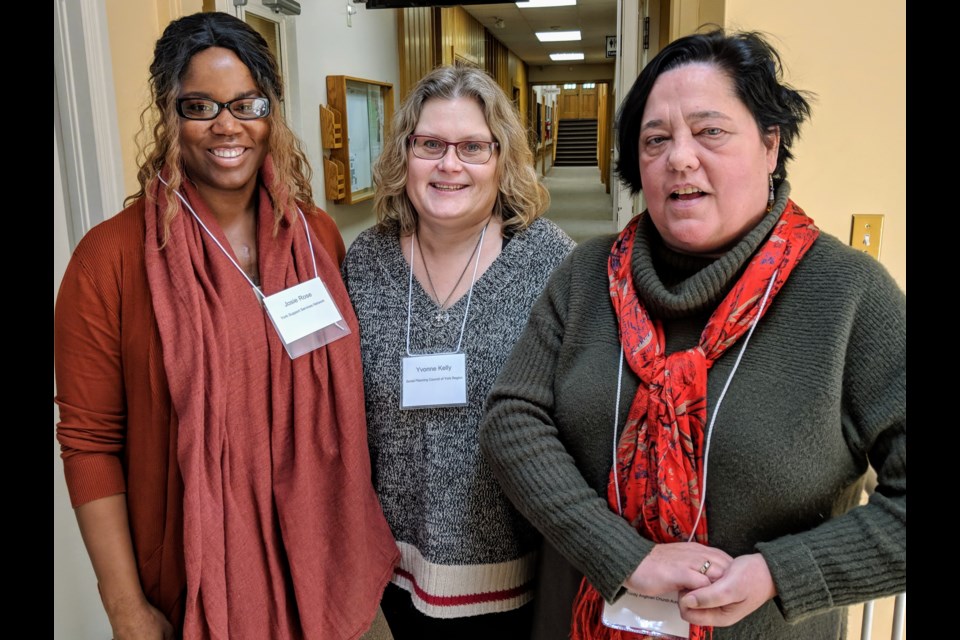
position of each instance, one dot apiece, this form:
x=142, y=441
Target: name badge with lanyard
x=655, y=616
x=659, y=616
x=436, y=379
x=304, y=315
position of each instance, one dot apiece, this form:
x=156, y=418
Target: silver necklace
x=442, y=316
x=466, y=308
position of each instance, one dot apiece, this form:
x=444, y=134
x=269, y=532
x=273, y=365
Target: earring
x=772, y=197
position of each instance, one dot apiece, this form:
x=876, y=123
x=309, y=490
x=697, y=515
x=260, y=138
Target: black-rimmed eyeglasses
x=469, y=151
x=206, y=109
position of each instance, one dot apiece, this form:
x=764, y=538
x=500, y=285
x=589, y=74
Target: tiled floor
x=579, y=203
x=380, y=629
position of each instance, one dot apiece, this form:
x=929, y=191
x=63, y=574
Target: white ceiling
x=596, y=19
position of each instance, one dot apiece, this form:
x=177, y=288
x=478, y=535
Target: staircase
x=576, y=143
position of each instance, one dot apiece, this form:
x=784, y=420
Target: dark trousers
x=408, y=623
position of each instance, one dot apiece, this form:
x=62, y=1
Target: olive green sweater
x=819, y=394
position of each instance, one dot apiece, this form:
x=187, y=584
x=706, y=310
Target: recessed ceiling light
x=537, y=4
x=559, y=57
x=557, y=36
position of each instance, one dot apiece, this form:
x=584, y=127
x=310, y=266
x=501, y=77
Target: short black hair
x=753, y=66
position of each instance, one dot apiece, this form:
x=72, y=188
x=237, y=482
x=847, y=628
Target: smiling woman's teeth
x=680, y=194
x=228, y=153
x=448, y=187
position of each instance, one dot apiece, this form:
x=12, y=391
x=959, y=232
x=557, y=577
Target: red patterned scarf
x=660, y=455
x=283, y=533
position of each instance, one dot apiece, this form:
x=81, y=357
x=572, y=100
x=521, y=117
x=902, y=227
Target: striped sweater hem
x=456, y=591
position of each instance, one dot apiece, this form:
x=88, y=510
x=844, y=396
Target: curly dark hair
x=754, y=68
x=181, y=40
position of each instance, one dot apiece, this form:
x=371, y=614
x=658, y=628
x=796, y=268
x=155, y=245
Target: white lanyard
x=437, y=379
x=304, y=315
x=713, y=417
x=466, y=311
x=660, y=616
x=227, y=253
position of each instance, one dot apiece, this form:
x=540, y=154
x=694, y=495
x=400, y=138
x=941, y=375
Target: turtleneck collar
x=676, y=285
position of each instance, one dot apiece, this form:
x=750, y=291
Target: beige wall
x=851, y=157
x=133, y=29
x=686, y=16
x=327, y=46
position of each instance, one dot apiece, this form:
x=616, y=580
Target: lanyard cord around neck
x=256, y=289
x=466, y=311
x=713, y=416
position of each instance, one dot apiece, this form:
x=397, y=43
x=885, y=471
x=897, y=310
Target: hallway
x=579, y=203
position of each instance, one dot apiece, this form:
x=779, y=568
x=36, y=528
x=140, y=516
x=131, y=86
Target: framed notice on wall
x=358, y=136
x=362, y=109
x=611, y=46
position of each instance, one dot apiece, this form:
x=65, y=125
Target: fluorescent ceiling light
x=536, y=4
x=560, y=57
x=557, y=36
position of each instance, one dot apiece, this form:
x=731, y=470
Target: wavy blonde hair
x=159, y=136
x=521, y=198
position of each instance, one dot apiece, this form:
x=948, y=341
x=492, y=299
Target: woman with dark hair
x=692, y=409
x=212, y=422
x=442, y=288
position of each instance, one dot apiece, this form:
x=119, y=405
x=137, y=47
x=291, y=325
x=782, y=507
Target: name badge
x=657, y=616
x=305, y=317
x=436, y=380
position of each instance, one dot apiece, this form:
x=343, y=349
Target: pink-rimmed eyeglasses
x=469, y=151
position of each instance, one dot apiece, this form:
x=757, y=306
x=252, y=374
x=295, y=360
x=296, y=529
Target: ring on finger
x=706, y=565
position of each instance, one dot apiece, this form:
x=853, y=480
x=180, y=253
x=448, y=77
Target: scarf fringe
x=587, y=618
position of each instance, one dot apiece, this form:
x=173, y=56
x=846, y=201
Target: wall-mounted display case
x=362, y=109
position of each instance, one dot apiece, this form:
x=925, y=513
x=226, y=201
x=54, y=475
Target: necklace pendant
x=442, y=318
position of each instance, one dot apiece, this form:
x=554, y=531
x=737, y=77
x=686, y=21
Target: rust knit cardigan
x=108, y=266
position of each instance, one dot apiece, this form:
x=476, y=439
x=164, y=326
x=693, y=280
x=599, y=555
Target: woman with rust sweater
x=214, y=459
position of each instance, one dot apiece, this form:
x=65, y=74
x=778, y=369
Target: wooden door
x=569, y=104
x=578, y=103
x=588, y=104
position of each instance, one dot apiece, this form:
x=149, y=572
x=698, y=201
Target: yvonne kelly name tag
x=436, y=380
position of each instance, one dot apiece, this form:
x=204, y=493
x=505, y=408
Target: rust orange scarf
x=660, y=453
x=283, y=533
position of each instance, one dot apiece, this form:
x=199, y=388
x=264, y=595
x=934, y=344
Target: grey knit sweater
x=820, y=391
x=464, y=550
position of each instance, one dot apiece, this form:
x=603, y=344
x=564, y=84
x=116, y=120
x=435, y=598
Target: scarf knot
x=658, y=470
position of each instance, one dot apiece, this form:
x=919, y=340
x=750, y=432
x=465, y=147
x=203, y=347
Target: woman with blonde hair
x=442, y=287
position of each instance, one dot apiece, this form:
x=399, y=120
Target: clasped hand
x=715, y=589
